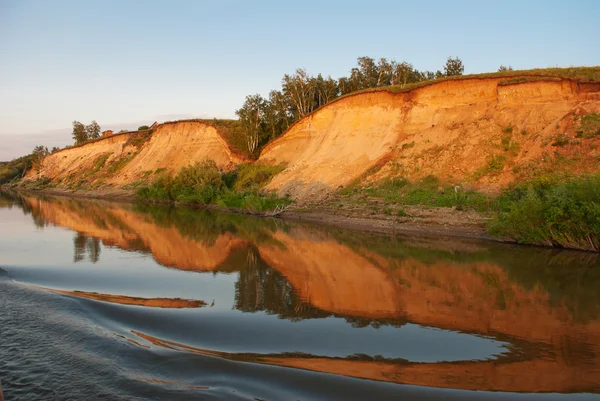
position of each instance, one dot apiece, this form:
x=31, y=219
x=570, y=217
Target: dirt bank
x=124, y=159
x=486, y=133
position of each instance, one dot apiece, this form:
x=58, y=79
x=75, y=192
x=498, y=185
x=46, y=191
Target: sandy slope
x=449, y=129
x=170, y=147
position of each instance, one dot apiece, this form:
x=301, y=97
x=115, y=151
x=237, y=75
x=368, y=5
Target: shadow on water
x=542, y=304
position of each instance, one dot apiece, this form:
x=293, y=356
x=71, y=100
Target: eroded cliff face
x=126, y=158
x=451, y=129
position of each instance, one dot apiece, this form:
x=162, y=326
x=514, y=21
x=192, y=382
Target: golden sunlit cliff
x=123, y=159
x=484, y=131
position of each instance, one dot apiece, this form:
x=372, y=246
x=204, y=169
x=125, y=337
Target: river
x=116, y=301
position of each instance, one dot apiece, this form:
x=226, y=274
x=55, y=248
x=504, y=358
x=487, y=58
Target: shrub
x=253, y=176
x=203, y=183
x=554, y=214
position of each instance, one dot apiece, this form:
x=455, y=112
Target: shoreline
x=437, y=225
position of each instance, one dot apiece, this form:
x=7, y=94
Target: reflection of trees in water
x=262, y=288
x=86, y=245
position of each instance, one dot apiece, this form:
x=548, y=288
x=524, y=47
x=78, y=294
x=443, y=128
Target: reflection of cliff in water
x=546, y=302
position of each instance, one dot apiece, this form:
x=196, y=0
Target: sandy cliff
x=450, y=129
x=126, y=158
x=484, y=132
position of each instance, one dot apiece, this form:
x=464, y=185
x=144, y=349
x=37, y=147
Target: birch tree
x=251, y=116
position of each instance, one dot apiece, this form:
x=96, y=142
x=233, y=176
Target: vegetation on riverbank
x=560, y=213
x=548, y=211
x=203, y=183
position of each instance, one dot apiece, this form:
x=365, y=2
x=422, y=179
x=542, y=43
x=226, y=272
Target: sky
x=129, y=63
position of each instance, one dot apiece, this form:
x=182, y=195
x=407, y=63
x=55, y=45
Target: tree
x=55, y=149
x=92, y=130
x=39, y=153
x=277, y=115
x=143, y=128
x=368, y=73
x=505, y=68
x=453, y=67
x=299, y=88
x=251, y=116
x=79, y=133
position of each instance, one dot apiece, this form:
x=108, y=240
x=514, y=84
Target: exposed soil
x=476, y=133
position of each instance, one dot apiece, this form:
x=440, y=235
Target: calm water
x=114, y=301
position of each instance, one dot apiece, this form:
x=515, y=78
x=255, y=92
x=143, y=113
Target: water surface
x=105, y=300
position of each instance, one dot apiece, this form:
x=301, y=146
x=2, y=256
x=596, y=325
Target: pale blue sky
x=129, y=62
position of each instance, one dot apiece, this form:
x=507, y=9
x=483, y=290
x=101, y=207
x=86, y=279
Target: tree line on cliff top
x=264, y=119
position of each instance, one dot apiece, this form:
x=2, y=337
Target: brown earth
x=450, y=129
x=124, y=159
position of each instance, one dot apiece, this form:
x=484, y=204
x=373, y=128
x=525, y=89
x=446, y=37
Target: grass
x=560, y=213
x=589, y=126
x=139, y=138
x=203, y=183
x=561, y=140
x=117, y=165
x=99, y=163
x=251, y=176
x=550, y=210
x=494, y=166
x=427, y=192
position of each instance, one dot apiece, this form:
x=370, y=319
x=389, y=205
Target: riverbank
x=553, y=212
x=420, y=221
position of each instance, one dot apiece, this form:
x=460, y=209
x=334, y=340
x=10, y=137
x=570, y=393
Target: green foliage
x=16, y=168
x=93, y=130
x=203, y=183
x=143, y=128
x=506, y=142
x=139, y=138
x=79, y=134
x=495, y=166
x=39, y=153
x=590, y=126
x=408, y=145
x=84, y=133
x=508, y=130
x=561, y=140
x=509, y=145
x=99, y=163
x=427, y=192
x=563, y=213
x=454, y=67
x=253, y=176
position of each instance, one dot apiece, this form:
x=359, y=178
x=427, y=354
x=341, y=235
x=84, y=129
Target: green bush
x=253, y=176
x=553, y=214
x=203, y=183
